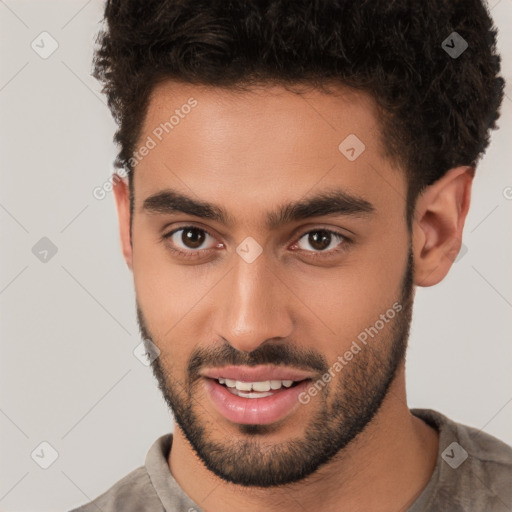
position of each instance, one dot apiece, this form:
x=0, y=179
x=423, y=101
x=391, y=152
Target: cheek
x=162, y=292
x=160, y=284
x=152, y=277
x=347, y=300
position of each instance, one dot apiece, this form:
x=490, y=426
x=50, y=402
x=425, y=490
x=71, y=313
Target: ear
x=122, y=196
x=439, y=218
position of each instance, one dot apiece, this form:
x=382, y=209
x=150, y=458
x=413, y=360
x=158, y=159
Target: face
x=273, y=270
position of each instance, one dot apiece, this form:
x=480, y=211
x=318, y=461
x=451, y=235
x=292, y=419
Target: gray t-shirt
x=473, y=473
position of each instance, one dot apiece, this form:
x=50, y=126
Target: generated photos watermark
x=151, y=142
x=356, y=347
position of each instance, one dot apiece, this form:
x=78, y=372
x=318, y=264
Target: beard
x=344, y=408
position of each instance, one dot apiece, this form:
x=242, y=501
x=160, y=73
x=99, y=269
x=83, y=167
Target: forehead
x=262, y=112
x=260, y=146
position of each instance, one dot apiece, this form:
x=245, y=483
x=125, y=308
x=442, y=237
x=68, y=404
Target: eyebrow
x=331, y=202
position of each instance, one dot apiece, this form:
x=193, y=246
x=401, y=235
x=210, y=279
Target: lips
x=255, y=395
x=256, y=373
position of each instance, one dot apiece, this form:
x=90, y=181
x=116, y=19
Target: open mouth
x=256, y=401
x=258, y=389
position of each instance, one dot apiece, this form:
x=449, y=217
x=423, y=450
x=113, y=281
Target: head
x=293, y=171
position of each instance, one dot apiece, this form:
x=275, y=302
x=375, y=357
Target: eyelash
x=312, y=254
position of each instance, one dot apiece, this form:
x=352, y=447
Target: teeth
x=261, y=386
x=244, y=394
x=243, y=386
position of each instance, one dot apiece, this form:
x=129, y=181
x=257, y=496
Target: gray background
x=68, y=375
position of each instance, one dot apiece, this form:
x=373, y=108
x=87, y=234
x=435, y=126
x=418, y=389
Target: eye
x=192, y=242
x=321, y=240
x=188, y=240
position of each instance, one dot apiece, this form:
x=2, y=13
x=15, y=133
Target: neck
x=384, y=468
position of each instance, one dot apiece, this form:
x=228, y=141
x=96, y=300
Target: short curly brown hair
x=437, y=110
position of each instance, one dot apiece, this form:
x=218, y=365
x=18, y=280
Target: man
x=289, y=173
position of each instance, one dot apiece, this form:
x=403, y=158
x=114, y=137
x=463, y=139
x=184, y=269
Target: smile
x=261, y=389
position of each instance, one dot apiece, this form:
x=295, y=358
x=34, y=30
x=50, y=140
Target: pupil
x=320, y=242
x=193, y=238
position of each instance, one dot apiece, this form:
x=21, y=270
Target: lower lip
x=254, y=411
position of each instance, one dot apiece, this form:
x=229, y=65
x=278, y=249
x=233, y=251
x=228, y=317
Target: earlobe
x=122, y=197
x=438, y=224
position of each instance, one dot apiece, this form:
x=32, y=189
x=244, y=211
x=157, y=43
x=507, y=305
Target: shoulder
x=474, y=469
x=149, y=488
x=490, y=461
x=133, y=493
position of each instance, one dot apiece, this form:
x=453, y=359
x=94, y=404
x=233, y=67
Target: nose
x=254, y=305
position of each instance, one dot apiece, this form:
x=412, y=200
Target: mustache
x=278, y=355
x=282, y=354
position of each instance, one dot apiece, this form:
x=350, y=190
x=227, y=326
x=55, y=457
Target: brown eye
x=189, y=240
x=321, y=240
x=192, y=238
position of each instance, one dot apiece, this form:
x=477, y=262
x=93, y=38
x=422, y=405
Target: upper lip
x=256, y=373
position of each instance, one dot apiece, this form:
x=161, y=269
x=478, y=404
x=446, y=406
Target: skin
x=251, y=152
